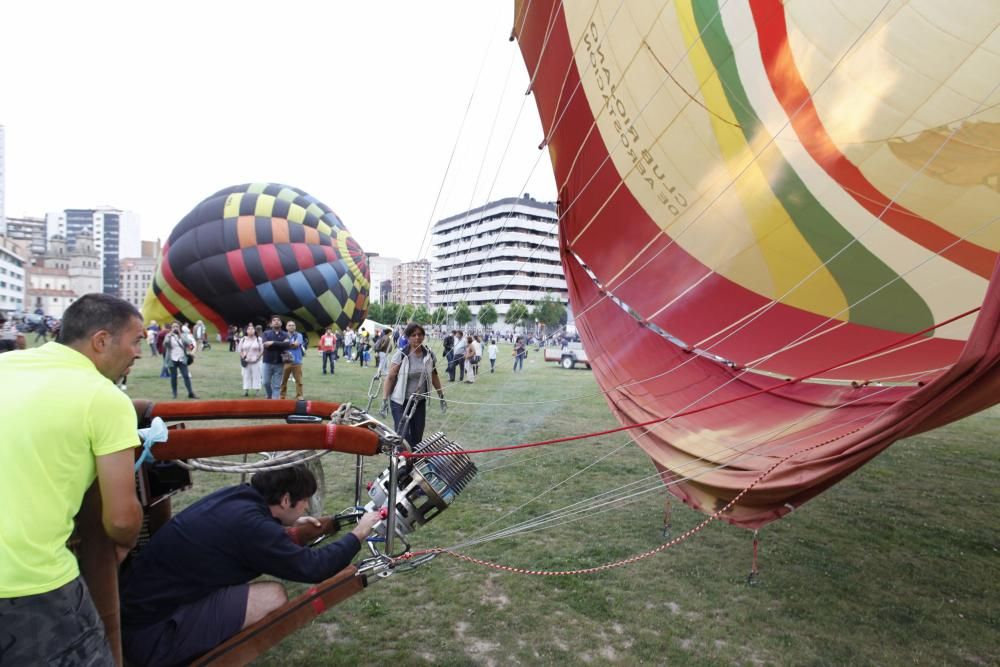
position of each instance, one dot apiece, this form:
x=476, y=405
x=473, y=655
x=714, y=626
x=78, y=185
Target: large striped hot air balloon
x=779, y=225
x=253, y=250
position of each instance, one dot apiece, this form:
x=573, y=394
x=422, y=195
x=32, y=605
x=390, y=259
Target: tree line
x=546, y=310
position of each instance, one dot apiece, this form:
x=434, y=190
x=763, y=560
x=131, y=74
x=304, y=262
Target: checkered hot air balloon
x=252, y=250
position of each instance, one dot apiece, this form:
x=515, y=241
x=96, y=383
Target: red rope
x=685, y=413
x=632, y=559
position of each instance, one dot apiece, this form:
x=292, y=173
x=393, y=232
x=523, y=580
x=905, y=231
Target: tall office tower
x=115, y=234
x=507, y=250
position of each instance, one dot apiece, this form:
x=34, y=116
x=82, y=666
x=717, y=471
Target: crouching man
x=189, y=590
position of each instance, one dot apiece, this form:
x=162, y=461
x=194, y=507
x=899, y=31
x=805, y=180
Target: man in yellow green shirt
x=65, y=423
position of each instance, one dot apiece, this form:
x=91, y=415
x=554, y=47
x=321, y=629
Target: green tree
x=462, y=313
x=488, y=315
x=421, y=315
x=406, y=313
x=549, y=312
x=439, y=316
x=375, y=311
x=390, y=313
x=516, y=313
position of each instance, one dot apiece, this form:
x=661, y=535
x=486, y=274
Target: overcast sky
x=153, y=108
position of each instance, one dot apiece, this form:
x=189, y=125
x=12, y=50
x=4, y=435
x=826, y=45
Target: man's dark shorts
x=190, y=631
x=60, y=627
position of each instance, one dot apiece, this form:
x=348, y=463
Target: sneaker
x=246, y=393
x=192, y=396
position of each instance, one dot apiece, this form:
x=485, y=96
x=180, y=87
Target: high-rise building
x=12, y=282
x=137, y=273
x=411, y=283
x=30, y=230
x=115, y=234
x=507, y=250
x=381, y=270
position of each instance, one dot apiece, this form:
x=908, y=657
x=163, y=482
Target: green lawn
x=898, y=564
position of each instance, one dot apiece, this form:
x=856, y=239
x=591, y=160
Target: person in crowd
x=177, y=345
x=477, y=344
x=65, y=424
x=151, y=333
x=364, y=348
x=193, y=586
x=382, y=348
x=9, y=335
x=339, y=351
x=199, y=335
x=458, y=356
x=161, y=349
x=275, y=343
x=491, y=352
x=327, y=346
x=293, y=362
x=349, y=338
x=448, y=343
x=519, y=353
x=412, y=372
x=469, y=363
x=251, y=349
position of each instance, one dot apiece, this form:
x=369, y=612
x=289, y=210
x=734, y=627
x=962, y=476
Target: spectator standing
x=349, y=339
x=449, y=345
x=364, y=347
x=477, y=344
x=470, y=355
x=328, y=347
x=275, y=342
x=491, y=351
x=151, y=333
x=382, y=348
x=251, y=349
x=177, y=345
x=520, y=352
x=199, y=335
x=458, y=355
x=293, y=364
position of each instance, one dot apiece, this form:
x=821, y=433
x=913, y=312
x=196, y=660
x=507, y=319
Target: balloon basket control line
x=408, y=493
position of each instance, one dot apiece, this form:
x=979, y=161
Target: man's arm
x=121, y=513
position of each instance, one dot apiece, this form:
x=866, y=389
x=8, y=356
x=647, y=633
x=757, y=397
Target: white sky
x=152, y=108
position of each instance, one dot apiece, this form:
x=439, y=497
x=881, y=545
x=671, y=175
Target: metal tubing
x=359, y=473
x=390, y=518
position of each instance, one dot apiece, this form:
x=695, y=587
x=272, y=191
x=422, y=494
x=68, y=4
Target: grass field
x=899, y=564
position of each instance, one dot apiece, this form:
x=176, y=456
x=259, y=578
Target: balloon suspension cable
x=704, y=408
x=714, y=516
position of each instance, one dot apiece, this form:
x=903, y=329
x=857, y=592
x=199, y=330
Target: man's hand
x=384, y=410
x=365, y=525
x=308, y=528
